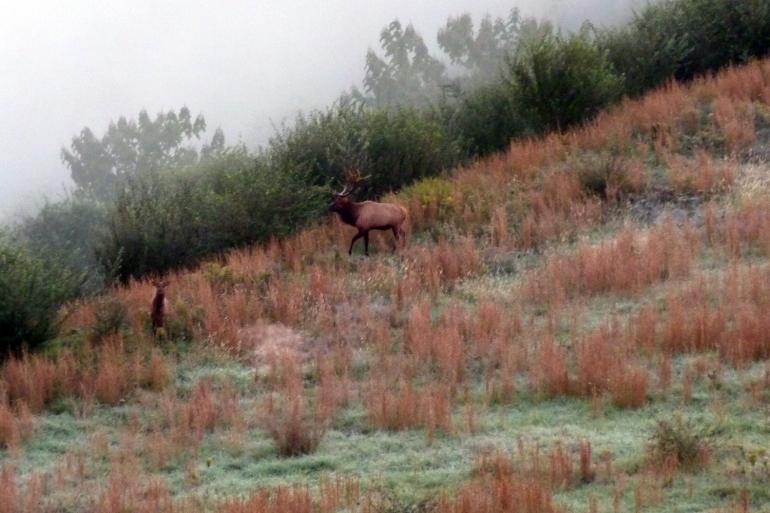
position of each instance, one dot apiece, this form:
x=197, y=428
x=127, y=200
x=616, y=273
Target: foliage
x=484, y=119
x=432, y=194
x=99, y=166
x=561, y=81
x=679, y=439
x=395, y=146
x=68, y=231
x=649, y=49
x=684, y=38
x=480, y=52
x=31, y=290
x=404, y=146
x=407, y=75
x=160, y=222
x=110, y=318
x=325, y=143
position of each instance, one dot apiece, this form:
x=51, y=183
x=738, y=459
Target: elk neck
x=349, y=213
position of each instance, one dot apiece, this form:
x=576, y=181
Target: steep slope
x=585, y=317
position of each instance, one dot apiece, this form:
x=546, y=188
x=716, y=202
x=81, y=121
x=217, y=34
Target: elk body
x=370, y=215
x=157, y=311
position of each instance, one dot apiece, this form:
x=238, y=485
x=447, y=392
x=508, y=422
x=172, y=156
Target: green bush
x=394, y=147
x=561, y=81
x=68, y=232
x=485, y=119
x=31, y=290
x=174, y=219
x=404, y=146
x=684, y=38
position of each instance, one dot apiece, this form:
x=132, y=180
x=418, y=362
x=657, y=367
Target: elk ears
x=159, y=283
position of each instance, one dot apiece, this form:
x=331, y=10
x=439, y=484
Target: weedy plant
x=679, y=442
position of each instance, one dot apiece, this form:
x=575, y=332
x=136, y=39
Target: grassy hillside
x=580, y=323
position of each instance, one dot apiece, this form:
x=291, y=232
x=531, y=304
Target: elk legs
x=357, y=236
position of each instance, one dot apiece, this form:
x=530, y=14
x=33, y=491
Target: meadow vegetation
x=579, y=322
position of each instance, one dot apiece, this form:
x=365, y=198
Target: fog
x=245, y=65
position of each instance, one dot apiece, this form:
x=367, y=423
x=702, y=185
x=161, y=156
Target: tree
x=99, y=166
x=480, y=53
x=407, y=75
x=67, y=232
x=561, y=81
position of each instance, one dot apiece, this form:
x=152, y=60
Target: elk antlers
x=353, y=179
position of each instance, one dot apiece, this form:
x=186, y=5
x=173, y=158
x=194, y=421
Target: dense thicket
x=66, y=233
x=162, y=221
x=31, y=289
x=685, y=38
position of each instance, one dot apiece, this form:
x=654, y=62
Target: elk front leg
x=366, y=243
x=355, y=238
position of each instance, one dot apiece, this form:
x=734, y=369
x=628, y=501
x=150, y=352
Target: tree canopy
x=130, y=146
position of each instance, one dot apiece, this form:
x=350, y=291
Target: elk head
x=342, y=199
x=160, y=286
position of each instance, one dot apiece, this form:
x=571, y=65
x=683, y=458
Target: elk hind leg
x=401, y=238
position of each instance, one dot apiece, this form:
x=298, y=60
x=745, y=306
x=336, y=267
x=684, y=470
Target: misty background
x=246, y=66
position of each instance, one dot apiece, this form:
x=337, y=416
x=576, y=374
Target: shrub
x=561, y=81
x=31, y=291
x=485, y=119
x=395, y=147
x=160, y=222
x=436, y=196
x=684, y=38
x=110, y=318
x=678, y=439
x=610, y=176
x=68, y=232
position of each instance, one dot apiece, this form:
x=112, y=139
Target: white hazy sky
x=245, y=65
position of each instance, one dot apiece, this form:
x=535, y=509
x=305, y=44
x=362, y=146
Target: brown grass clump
x=15, y=425
x=125, y=491
x=549, y=373
x=624, y=264
x=700, y=175
x=334, y=495
x=403, y=406
x=291, y=423
x=746, y=227
x=500, y=492
x=113, y=376
x=31, y=379
x=735, y=119
x=288, y=416
x=10, y=494
x=603, y=366
x=629, y=390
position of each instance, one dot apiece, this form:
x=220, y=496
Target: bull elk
x=369, y=215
